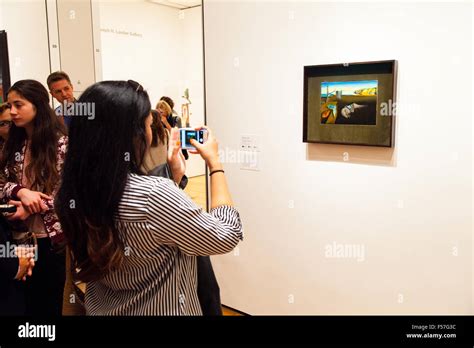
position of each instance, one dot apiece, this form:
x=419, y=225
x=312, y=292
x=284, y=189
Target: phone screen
x=187, y=134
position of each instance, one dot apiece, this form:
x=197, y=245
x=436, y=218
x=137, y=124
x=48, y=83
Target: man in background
x=61, y=89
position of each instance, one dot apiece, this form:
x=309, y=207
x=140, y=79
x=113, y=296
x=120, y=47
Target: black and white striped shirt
x=163, y=231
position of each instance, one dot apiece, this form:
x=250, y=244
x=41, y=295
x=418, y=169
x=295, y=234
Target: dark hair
x=102, y=152
x=57, y=76
x=47, y=129
x=3, y=107
x=169, y=101
x=158, y=131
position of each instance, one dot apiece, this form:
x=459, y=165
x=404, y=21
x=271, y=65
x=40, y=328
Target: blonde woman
x=166, y=114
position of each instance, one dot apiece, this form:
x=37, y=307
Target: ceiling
x=180, y=4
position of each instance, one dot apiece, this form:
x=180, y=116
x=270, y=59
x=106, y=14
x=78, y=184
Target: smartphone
x=7, y=208
x=186, y=134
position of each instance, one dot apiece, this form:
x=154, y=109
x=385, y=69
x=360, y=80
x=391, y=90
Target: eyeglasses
x=5, y=123
x=135, y=85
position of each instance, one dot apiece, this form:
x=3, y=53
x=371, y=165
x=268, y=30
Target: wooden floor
x=196, y=189
x=229, y=312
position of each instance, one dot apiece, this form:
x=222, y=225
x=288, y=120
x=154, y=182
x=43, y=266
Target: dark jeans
x=208, y=289
x=44, y=289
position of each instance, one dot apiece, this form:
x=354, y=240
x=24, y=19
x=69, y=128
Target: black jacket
x=12, y=300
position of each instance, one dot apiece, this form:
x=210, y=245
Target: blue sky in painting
x=347, y=87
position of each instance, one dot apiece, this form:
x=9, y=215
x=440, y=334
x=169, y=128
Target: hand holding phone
x=19, y=213
x=7, y=208
x=209, y=150
x=176, y=160
x=186, y=134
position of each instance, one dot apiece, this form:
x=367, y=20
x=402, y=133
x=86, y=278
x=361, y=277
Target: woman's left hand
x=176, y=159
x=20, y=214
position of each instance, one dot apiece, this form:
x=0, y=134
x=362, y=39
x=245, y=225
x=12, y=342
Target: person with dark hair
x=5, y=122
x=15, y=267
x=62, y=90
x=32, y=161
x=136, y=237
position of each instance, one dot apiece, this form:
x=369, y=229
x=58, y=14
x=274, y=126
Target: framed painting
x=350, y=103
x=4, y=67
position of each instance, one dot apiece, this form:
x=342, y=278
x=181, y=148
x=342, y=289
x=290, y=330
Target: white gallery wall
x=407, y=211
x=192, y=76
x=192, y=69
x=25, y=24
x=160, y=47
x=139, y=42
x=33, y=25
x=472, y=154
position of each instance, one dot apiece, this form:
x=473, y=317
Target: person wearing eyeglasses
x=135, y=238
x=5, y=123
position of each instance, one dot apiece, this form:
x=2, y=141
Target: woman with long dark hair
x=135, y=238
x=32, y=160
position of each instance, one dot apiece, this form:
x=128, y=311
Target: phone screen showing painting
x=349, y=102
